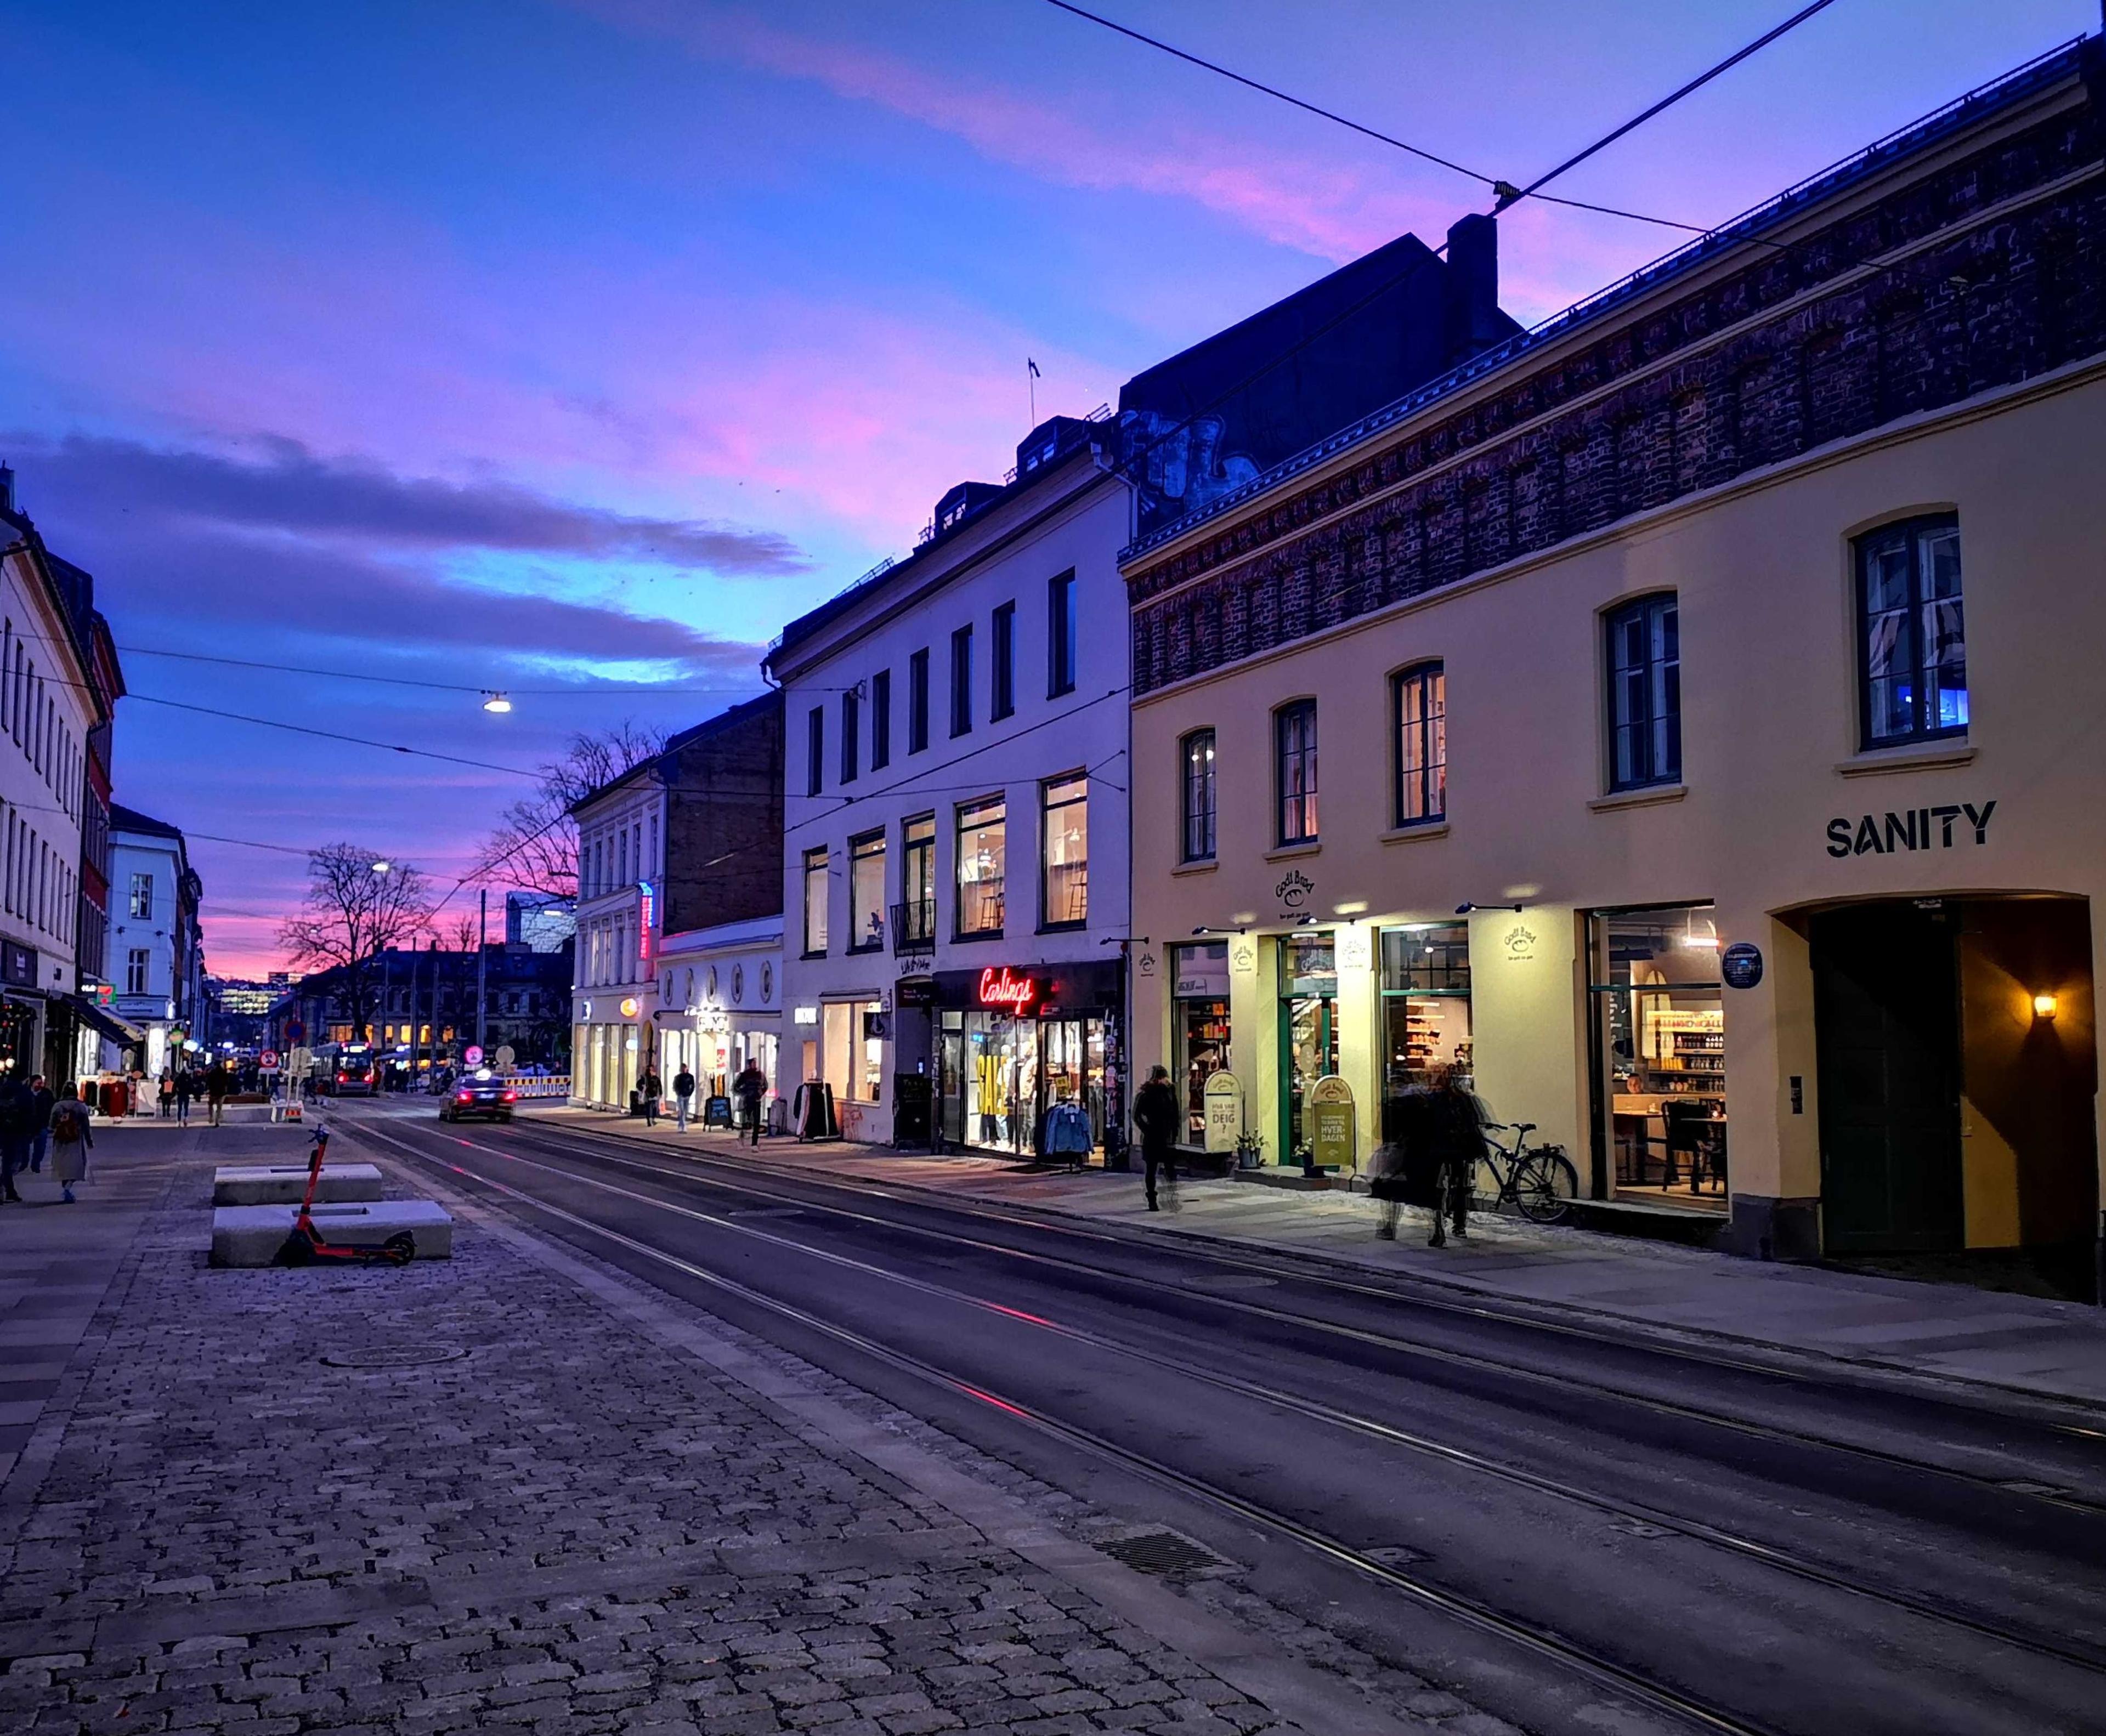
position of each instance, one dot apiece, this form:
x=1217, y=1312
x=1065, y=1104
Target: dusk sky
x=562, y=347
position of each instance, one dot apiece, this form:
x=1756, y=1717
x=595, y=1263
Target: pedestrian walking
x=72, y=1138
x=16, y=1110
x=1456, y=1130
x=185, y=1089
x=216, y=1085
x=41, y=1104
x=683, y=1093
x=1156, y=1114
x=167, y=1094
x=751, y=1087
x=652, y=1088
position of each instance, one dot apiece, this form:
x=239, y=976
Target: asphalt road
x=1543, y=1519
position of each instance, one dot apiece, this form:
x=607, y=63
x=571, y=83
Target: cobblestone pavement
x=567, y=1526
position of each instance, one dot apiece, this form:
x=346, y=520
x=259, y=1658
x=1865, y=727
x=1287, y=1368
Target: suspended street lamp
x=495, y=701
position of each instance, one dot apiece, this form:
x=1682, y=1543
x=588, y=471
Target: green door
x=1308, y=1050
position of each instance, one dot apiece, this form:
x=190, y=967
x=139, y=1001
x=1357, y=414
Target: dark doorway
x=1887, y=1030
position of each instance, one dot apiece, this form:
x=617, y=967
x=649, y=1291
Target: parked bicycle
x=1539, y=1180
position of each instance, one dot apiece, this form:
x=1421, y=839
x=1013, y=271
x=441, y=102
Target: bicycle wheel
x=1545, y=1185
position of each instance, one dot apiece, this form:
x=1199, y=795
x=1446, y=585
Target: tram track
x=1745, y=1548
x=724, y=1175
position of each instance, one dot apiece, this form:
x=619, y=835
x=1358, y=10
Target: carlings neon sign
x=999, y=988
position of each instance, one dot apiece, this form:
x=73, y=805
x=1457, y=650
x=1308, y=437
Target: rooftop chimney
x=1470, y=289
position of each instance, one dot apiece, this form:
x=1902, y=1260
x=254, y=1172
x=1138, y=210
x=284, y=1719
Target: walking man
x=752, y=1087
x=40, y=1102
x=14, y=1111
x=684, y=1092
x=652, y=1088
x=216, y=1085
x=185, y=1089
x=1155, y=1113
x=1458, y=1134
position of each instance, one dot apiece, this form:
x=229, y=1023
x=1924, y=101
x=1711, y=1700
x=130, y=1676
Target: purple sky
x=566, y=347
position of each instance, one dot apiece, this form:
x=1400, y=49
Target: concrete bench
x=252, y=1235
x=284, y=1183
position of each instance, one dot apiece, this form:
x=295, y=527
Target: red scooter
x=305, y=1247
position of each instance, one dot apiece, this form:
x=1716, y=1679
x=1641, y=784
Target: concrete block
x=284, y=1183
x=252, y=1235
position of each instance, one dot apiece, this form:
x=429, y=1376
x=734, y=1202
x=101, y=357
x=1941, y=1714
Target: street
x=1545, y=1521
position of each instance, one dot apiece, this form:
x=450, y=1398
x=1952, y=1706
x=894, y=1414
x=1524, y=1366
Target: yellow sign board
x=1333, y=1132
x=1223, y=1111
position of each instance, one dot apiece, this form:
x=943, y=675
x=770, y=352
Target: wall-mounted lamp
x=1204, y=929
x=1464, y=909
x=1306, y=920
x=2045, y=1006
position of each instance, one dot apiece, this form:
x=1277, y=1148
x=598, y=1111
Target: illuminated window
x=983, y=859
x=1197, y=754
x=1421, y=697
x=1294, y=738
x=866, y=892
x=1065, y=841
x=1911, y=633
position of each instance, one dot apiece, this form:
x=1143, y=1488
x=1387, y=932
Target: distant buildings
x=540, y=921
x=156, y=943
x=427, y=1006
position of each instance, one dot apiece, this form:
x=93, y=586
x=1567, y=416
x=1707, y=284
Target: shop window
x=961, y=681
x=1064, y=842
x=1911, y=633
x=1197, y=754
x=815, y=751
x=1061, y=638
x=1002, y=701
x=815, y=902
x=1644, y=694
x=852, y=1048
x=1420, y=700
x=1294, y=740
x=982, y=858
x=851, y=734
x=914, y=921
x=866, y=892
x=1425, y=988
x=1199, y=978
x=917, y=700
x=881, y=720
x=1660, y=1032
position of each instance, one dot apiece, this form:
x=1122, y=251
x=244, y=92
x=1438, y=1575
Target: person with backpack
x=1156, y=1114
x=167, y=1093
x=683, y=1093
x=40, y=1102
x=72, y=1138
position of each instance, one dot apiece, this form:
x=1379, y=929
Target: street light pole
x=481, y=966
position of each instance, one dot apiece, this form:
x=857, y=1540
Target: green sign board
x=1333, y=1129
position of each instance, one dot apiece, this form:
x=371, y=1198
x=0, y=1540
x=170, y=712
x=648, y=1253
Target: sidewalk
x=520, y=1491
x=2048, y=1350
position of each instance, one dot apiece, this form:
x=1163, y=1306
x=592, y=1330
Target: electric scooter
x=306, y=1247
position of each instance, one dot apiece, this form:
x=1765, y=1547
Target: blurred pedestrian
x=683, y=1093
x=72, y=1138
x=167, y=1094
x=751, y=1086
x=652, y=1088
x=216, y=1085
x=185, y=1089
x=14, y=1113
x=1156, y=1114
x=41, y=1103
x=1456, y=1130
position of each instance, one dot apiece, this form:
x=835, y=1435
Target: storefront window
x=852, y=1044
x=1200, y=1033
x=815, y=902
x=1661, y=1031
x=1029, y=1085
x=1066, y=835
x=982, y=861
x=1426, y=1005
x=866, y=892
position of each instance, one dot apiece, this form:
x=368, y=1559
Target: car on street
x=479, y=1095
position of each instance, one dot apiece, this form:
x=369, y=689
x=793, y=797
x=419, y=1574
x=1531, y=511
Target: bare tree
x=466, y=932
x=354, y=909
x=535, y=846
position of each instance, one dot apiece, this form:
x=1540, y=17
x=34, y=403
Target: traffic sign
x=268, y=1060
x=296, y=1033
x=474, y=1055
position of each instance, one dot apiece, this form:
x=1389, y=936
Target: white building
x=621, y=841
x=156, y=951
x=720, y=1004
x=48, y=704
x=954, y=715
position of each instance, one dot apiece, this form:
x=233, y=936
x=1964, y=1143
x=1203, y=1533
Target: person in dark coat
x=185, y=1089
x=1156, y=1114
x=14, y=1113
x=651, y=1088
x=1457, y=1131
x=683, y=1094
x=751, y=1087
x=41, y=1102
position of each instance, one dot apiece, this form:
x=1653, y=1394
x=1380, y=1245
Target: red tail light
x=511, y=1097
x=466, y=1097
x=343, y=1079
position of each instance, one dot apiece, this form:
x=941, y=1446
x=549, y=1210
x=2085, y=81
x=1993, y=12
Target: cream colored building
x=1745, y=618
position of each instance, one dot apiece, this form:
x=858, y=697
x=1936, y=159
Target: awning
x=102, y=1019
